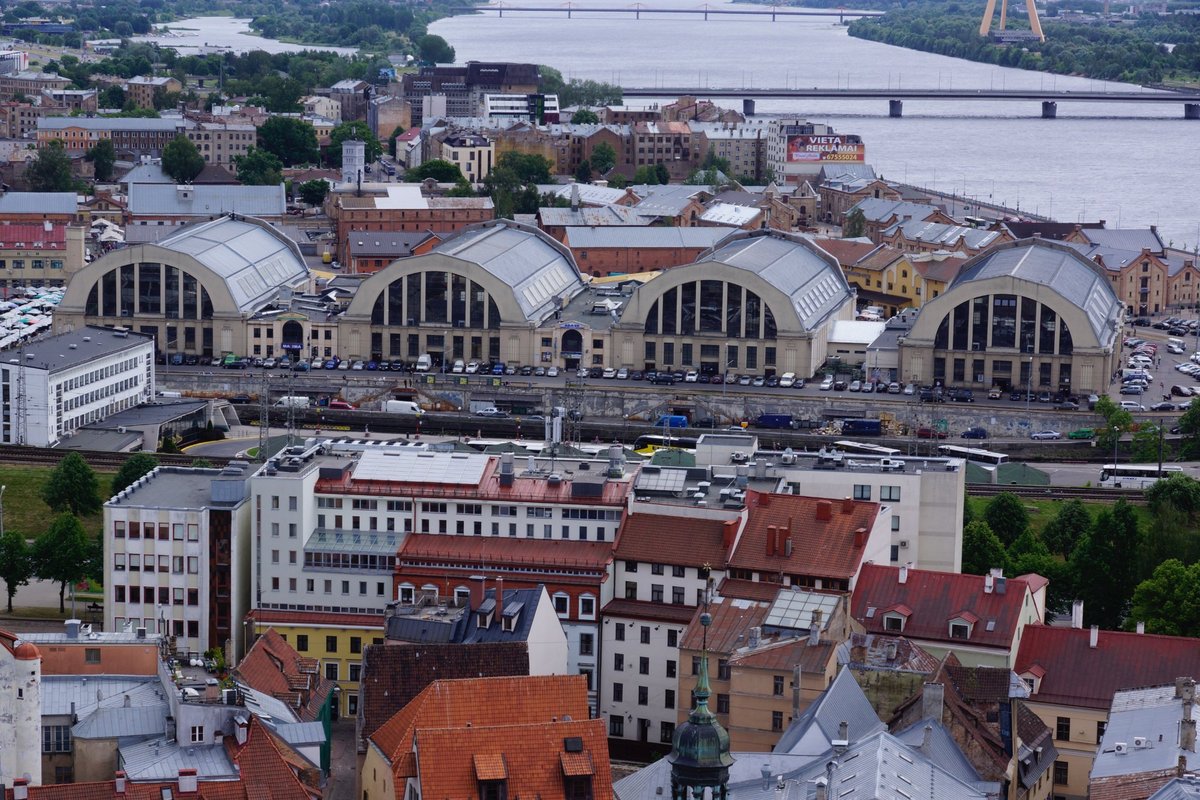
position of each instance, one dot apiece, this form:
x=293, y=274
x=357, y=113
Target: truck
x=774, y=421
x=862, y=427
x=292, y=401
x=406, y=407
x=671, y=421
x=424, y=362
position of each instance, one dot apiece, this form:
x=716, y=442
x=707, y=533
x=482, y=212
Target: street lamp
x=1116, y=441
x=2, y=488
x=1029, y=390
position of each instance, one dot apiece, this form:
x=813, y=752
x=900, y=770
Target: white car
x=691, y=376
x=623, y=374
x=855, y=386
x=787, y=380
x=473, y=368
x=826, y=385
x=552, y=372
x=459, y=367
x=910, y=388
x=1132, y=405
x=610, y=372
x=1045, y=435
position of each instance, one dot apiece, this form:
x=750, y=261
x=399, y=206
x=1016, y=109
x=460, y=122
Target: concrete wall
x=886, y=689
x=95, y=759
x=20, y=719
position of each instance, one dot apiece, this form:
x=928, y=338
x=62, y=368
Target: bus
x=656, y=441
x=867, y=448
x=973, y=454
x=1135, y=476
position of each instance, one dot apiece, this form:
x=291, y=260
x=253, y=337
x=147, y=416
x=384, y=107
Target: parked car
x=931, y=433
x=609, y=372
x=552, y=372
x=623, y=374
x=691, y=376
x=839, y=386
x=1067, y=405
x=1140, y=322
x=1133, y=388
x=491, y=412
x=1132, y=405
x=975, y=433
x=826, y=384
x=1163, y=407
x=894, y=388
x=1082, y=433
x=341, y=405
x=995, y=393
x=855, y=386
x=1045, y=435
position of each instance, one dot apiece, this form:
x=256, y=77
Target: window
x=895, y=522
x=776, y=720
x=586, y=644
x=1060, y=773
x=302, y=642
x=667, y=732
x=656, y=593
x=695, y=665
x=197, y=736
x=331, y=644
x=562, y=605
x=891, y=493
x=619, y=662
x=616, y=725
x=618, y=693
x=671, y=669
x=722, y=704
x=56, y=738
x=862, y=491
x=643, y=695
x=722, y=669
x=1101, y=726
x=331, y=670
x=678, y=572
x=355, y=644
x=631, y=590
x=645, y=634
x=619, y=632
x=631, y=566
x=960, y=630
x=893, y=622
x=656, y=569
x=1062, y=732
x=644, y=665
x=587, y=607
x=677, y=595
x=672, y=638
x=778, y=687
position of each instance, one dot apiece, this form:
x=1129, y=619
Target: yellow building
x=473, y=155
x=335, y=640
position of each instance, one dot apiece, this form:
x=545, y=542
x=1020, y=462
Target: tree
x=585, y=116
x=616, y=180
x=526, y=168
x=72, y=487
x=354, y=129
x=1169, y=600
x=292, y=140
x=314, y=192
x=604, y=158
x=1062, y=533
x=181, y=160
x=259, y=168
x=462, y=189
x=661, y=172
x=112, y=97
x=1189, y=430
x=135, y=467
x=1104, y=566
x=856, y=225
x=583, y=173
x=61, y=554
x=16, y=564
x=1116, y=421
x=982, y=549
x=50, y=170
x=103, y=157
x=1028, y=554
x=440, y=170
x=1007, y=517
x=1146, y=444
x=1178, y=491
x=201, y=463
x=433, y=49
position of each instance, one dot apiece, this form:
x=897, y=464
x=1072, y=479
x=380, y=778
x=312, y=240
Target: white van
x=291, y=401
x=424, y=363
x=459, y=367
x=407, y=407
x=788, y=379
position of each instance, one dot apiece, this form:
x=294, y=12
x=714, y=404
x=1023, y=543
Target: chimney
x=1181, y=767
x=476, y=584
x=119, y=782
x=766, y=776
x=926, y=738
x=843, y=741
x=822, y=789
x=797, y=673
x=933, y=696
x=903, y=578
x=20, y=789
x=187, y=780
x=728, y=533
x=847, y=505
x=1141, y=627
x=1187, y=735
x=241, y=729
x=72, y=628
x=824, y=510
x=500, y=596
x=787, y=542
x=1094, y=639
x=1185, y=689
x=988, y=583
x=771, y=531
x=1077, y=615
x=860, y=538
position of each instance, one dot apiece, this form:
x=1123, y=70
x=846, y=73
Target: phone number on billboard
x=842, y=157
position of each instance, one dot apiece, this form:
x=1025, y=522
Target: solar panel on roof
x=663, y=480
x=421, y=467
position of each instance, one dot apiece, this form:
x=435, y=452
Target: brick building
x=403, y=209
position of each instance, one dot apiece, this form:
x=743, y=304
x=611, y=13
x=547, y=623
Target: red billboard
x=830, y=147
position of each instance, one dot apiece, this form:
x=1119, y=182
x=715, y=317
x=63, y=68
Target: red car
x=340, y=405
x=930, y=433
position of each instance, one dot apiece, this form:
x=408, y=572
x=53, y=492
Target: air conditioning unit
x=1140, y=741
x=904, y=543
x=1120, y=748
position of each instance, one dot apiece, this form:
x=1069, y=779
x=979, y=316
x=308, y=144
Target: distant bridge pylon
x=1035, y=24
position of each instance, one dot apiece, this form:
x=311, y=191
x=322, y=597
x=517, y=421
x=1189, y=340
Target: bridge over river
x=636, y=10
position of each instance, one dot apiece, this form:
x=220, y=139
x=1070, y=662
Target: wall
x=752, y=702
x=376, y=776
x=1080, y=750
x=20, y=719
x=95, y=759
x=115, y=659
x=547, y=642
x=885, y=688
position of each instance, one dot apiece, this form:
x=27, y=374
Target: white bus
x=973, y=454
x=866, y=448
x=1135, y=476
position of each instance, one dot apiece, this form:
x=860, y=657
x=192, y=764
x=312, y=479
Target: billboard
x=830, y=147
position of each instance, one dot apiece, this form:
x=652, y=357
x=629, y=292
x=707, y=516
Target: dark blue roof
x=465, y=629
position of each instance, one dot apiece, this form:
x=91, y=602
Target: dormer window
x=493, y=790
x=893, y=622
x=962, y=625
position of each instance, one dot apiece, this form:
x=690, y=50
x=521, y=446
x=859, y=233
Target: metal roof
x=114, y=123
x=251, y=257
x=588, y=192
x=539, y=269
x=66, y=350
x=1147, y=723
x=793, y=265
x=1185, y=788
x=813, y=732
x=170, y=487
x=38, y=202
x=878, y=209
x=205, y=200
x=1135, y=239
x=83, y=694
x=160, y=760
x=730, y=214
x=942, y=233
x=1062, y=269
x=581, y=237
x=147, y=173
x=113, y=723
x=301, y=733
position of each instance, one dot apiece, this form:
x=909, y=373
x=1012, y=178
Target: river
x=200, y=34
x=1131, y=165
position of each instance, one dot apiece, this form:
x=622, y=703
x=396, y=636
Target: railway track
x=38, y=456
x=1058, y=493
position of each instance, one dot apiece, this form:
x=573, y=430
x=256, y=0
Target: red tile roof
x=536, y=762
x=481, y=703
x=731, y=623
x=748, y=590
x=654, y=612
x=274, y=667
x=665, y=539
x=931, y=599
x=27, y=237
x=1078, y=675
x=824, y=548
x=503, y=551
x=847, y=251
x=783, y=656
x=1130, y=787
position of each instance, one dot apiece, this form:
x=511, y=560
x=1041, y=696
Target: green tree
x=856, y=225
x=1028, y=554
x=1062, y=533
x=1168, y=601
x=354, y=129
x=604, y=158
x=1116, y=422
x=72, y=487
x=135, y=467
x=462, y=189
x=16, y=563
x=661, y=172
x=112, y=97
x=259, y=168
x=103, y=157
x=434, y=49
x=201, y=463
x=50, y=170
x=292, y=140
x=1104, y=567
x=62, y=554
x=1007, y=517
x=181, y=160
x=314, y=192
x=982, y=549
x=439, y=169
x=583, y=173
x=526, y=168
x=392, y=140
x=1178, y=491
x=1189, y=423
x=1146, y=444
x=585, y=116
x=616, y=180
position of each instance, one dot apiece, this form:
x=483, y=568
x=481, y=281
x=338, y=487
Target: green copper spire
x=699, y=756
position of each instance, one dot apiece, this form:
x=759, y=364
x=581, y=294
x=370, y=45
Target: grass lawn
x=24, y=510
x=1042, y=511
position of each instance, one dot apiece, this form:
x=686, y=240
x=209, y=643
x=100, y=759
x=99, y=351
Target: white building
x=54, y=386
x=797, y=149
x=21, y=731
x=177, y=556
x=539, y=108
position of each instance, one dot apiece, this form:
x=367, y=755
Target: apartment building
x=797, y=149
x=176, y=548
x=403, y=209
x=132, y=137
x=473, y=155
x=222, y=142
x=29, y=83
x=672, y=144
x=45, y=254
x=143, y=89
